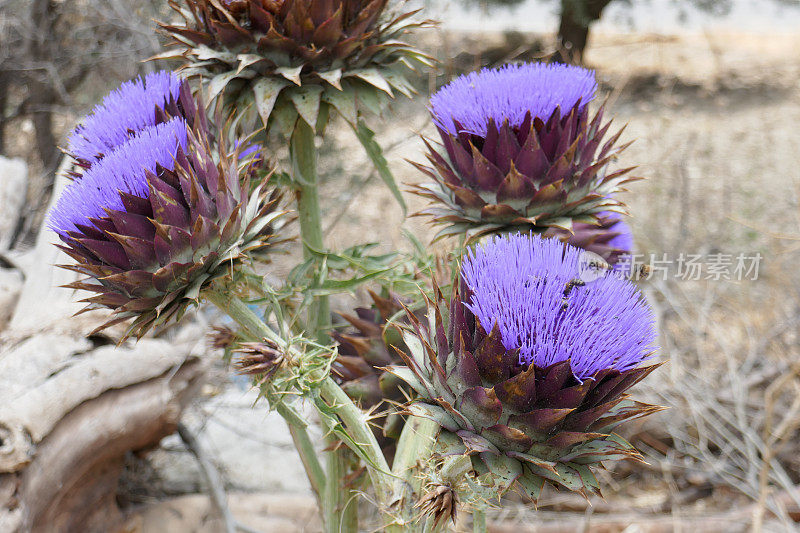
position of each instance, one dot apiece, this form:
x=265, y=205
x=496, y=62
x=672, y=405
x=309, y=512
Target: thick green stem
x=303, y=153
x=240, y=313
x=414, y=447
x=255, y=327
x=304, y=175
x=355, y=421
x=344, y=519
x=479, y=521
x=454, y=468
x=305, y=448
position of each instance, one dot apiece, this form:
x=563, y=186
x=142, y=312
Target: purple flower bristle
x=519, y=283
x=123, y=112
x=623, y=241
x=251, y=150
x=248, y=149
x=122, y=170
x=510, y=93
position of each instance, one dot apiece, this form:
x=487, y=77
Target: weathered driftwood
x=13, y=189
x=43, y=304
x=31, y=409
x=10, y=286
x=70, y=483
x=70, y=411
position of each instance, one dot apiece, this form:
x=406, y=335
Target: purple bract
x=525, y=284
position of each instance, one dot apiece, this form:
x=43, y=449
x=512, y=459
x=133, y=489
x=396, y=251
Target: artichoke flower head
x=521, y=153
x=159, y=209
x=280, y=59
x=526, y=369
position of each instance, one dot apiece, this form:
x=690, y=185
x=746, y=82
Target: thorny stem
x=239, y=311
x=244, y=316
x=355, y=421
x=340, y=513
x=455, y=467
x=308, y=455
x=353, y=418
x=479, y=520
x=414, y=447
x=339, y=518
x=304, y=174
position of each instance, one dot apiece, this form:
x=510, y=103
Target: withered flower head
x=262, y=359
x=222, y=337
x=440, y=503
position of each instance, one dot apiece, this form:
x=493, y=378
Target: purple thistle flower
x=623, y=240
x=521, y=152
x=162, y=214
x=524, y=285
x=249, y=151
x=526, y=368
x=125, y=111
x=252, y=157
x=469, y=103
x=123, y=170
x=610, y=237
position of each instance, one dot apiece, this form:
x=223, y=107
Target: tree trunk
x=44, y=15
x=573, y=32
x=46, y=143
x=4, y=87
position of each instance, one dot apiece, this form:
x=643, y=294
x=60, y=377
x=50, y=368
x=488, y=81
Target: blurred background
x=710, y=92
